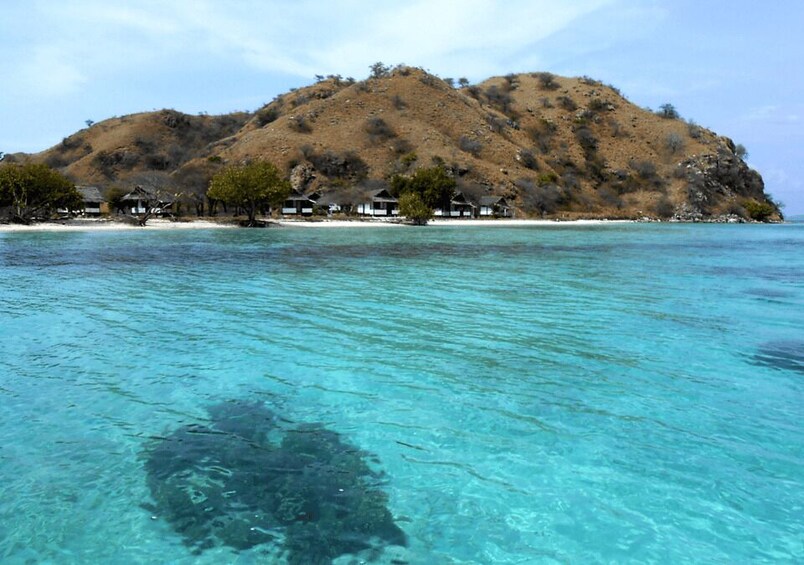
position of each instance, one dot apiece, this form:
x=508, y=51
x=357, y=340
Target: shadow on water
x=248, y=478
x=785, y=355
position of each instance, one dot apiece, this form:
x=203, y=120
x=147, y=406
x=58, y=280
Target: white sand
x=161, y=224
x=110, y=225
x=439, y=222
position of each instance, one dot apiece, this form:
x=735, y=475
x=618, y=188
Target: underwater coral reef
x=249, y=478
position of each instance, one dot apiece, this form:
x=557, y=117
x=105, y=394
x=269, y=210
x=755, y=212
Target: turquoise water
x=562, y=394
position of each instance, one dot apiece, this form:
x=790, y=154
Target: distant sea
x=559, y=394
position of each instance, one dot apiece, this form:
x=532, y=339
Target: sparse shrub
x=598, y=105
x=307, y=151
x=570, y=181
x=617, y=129
x=540, y=199
x=473, y=91
x=157, y=162
x=546, y=102
x=674, y=142
x=378, y=130
x=174, y=119
x=469, y=145
x=695, y=131
x=647, y=176
x=610, y=198
x=546, y=80
x=759, y=211
x=363, y=87
x=450, y=82
x=547, y=178
x=645, y=169
x=736, y=209
x=511, y=81
x=398, y=102
x=542, y=134
x=56, y=161
x=401, y=146
x=300, y=100
x=496, y=124
x=409, y=158
x=299, y=124
x=668, y=112
x=347, y=165
x=72, y=142
x=589, y=81
x=379, y=70
x=499, y=99
x=679, y=171
x=266, y=116
x=741, y=151
x=528, y=159
x=567, y=103
x=664, y=208
x=587, y=140
x=429, y=80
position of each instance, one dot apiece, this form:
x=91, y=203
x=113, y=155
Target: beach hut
x=93, y=203
x=297, y=204
x=380, y=203
x=494, y=206
x=142, y=201
x=459, y=207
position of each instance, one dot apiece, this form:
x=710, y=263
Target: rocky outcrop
x=717, y=178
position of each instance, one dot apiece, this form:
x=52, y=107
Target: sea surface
x=561, y=394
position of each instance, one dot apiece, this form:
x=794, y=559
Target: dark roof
x=297, y=197
x=90, y=194
x=138, y=193
x=460, y=198
x=493, y=201
x=382, y=195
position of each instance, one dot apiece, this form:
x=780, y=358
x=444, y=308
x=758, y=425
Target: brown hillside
x=557, y=147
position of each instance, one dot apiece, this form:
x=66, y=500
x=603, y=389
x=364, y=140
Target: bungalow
x=329, y=204
x=94, y=203
x=380, y=203
x=459, y=207
x=298, y=204
x=142, y=201
x=495, y=206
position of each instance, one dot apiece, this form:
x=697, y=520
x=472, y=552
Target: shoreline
x=198, y=224
x=162, y=224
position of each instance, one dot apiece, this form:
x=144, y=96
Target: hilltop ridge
x=556, y=147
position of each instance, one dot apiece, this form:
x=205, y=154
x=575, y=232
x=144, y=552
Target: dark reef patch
x=248, y=478
x=785, y=355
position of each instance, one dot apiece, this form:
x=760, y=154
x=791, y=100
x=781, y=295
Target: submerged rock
x=784, y=355
x=244, y=480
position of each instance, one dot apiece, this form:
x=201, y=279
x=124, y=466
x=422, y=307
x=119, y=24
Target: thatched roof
x=90, y=194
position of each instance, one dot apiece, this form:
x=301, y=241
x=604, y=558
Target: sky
x=732, y=66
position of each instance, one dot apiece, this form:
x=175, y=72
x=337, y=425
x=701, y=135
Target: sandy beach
x=441, y=223
x=161, y=224
x=111, y=225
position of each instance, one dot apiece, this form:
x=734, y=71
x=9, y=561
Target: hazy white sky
x=734, y=66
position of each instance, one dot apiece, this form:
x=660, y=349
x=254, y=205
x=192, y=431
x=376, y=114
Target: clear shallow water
x=562, y=394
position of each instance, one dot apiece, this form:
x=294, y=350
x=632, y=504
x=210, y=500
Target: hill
x=554, y=146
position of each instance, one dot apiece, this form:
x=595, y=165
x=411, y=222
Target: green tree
x=668, y=111
x=34, y=190
x=433, y=185
x=252, y=186
x=414, y=209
